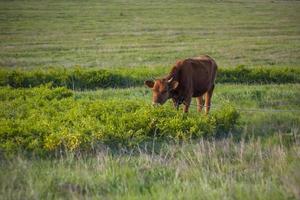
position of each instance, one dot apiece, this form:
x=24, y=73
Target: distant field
x=143, y=33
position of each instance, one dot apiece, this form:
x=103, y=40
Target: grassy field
x=233, y=165
x=222, y=169
x=103, y=140
x=143, y=33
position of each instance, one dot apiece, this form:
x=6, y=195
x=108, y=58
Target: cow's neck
x=175, y=95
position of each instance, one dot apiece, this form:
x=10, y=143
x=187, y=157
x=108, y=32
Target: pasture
x=142, y=33
x=76, y=120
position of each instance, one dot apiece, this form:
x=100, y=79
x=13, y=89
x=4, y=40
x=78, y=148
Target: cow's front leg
x=175, y=104
x=186, y=104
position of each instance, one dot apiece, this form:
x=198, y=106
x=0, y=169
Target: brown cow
x=192, y=77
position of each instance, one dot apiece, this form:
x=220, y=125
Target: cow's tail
x=214, y=71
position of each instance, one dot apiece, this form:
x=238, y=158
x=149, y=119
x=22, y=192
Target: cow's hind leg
x=208, y=99
x=199, y=103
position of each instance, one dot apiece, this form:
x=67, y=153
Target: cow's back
x=197, y=75
x=205, y=67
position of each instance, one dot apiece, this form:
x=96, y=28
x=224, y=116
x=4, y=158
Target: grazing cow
x=192, y=77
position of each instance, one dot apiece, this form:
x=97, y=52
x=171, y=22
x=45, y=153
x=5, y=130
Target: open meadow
x=76, y=121
x=148, y=33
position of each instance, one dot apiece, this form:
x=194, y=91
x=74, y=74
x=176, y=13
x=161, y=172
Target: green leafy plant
x=45, y=119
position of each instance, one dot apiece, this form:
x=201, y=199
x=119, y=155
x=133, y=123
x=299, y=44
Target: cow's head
x=161, y=89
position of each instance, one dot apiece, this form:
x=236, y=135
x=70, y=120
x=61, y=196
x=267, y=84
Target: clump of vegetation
x=74, y=79
x=81, y=78
x=259, y=75
x=45, y=120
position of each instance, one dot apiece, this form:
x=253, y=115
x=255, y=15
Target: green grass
x=258, y=160
x=44, y=120
x=244, y=97
x=82, y=78
x=62, y=144
x=272, y=96
x=143, y=33
x=222, y=169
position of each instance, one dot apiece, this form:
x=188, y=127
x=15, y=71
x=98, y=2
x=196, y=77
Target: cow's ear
x=149, y=83
x=174, y=85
